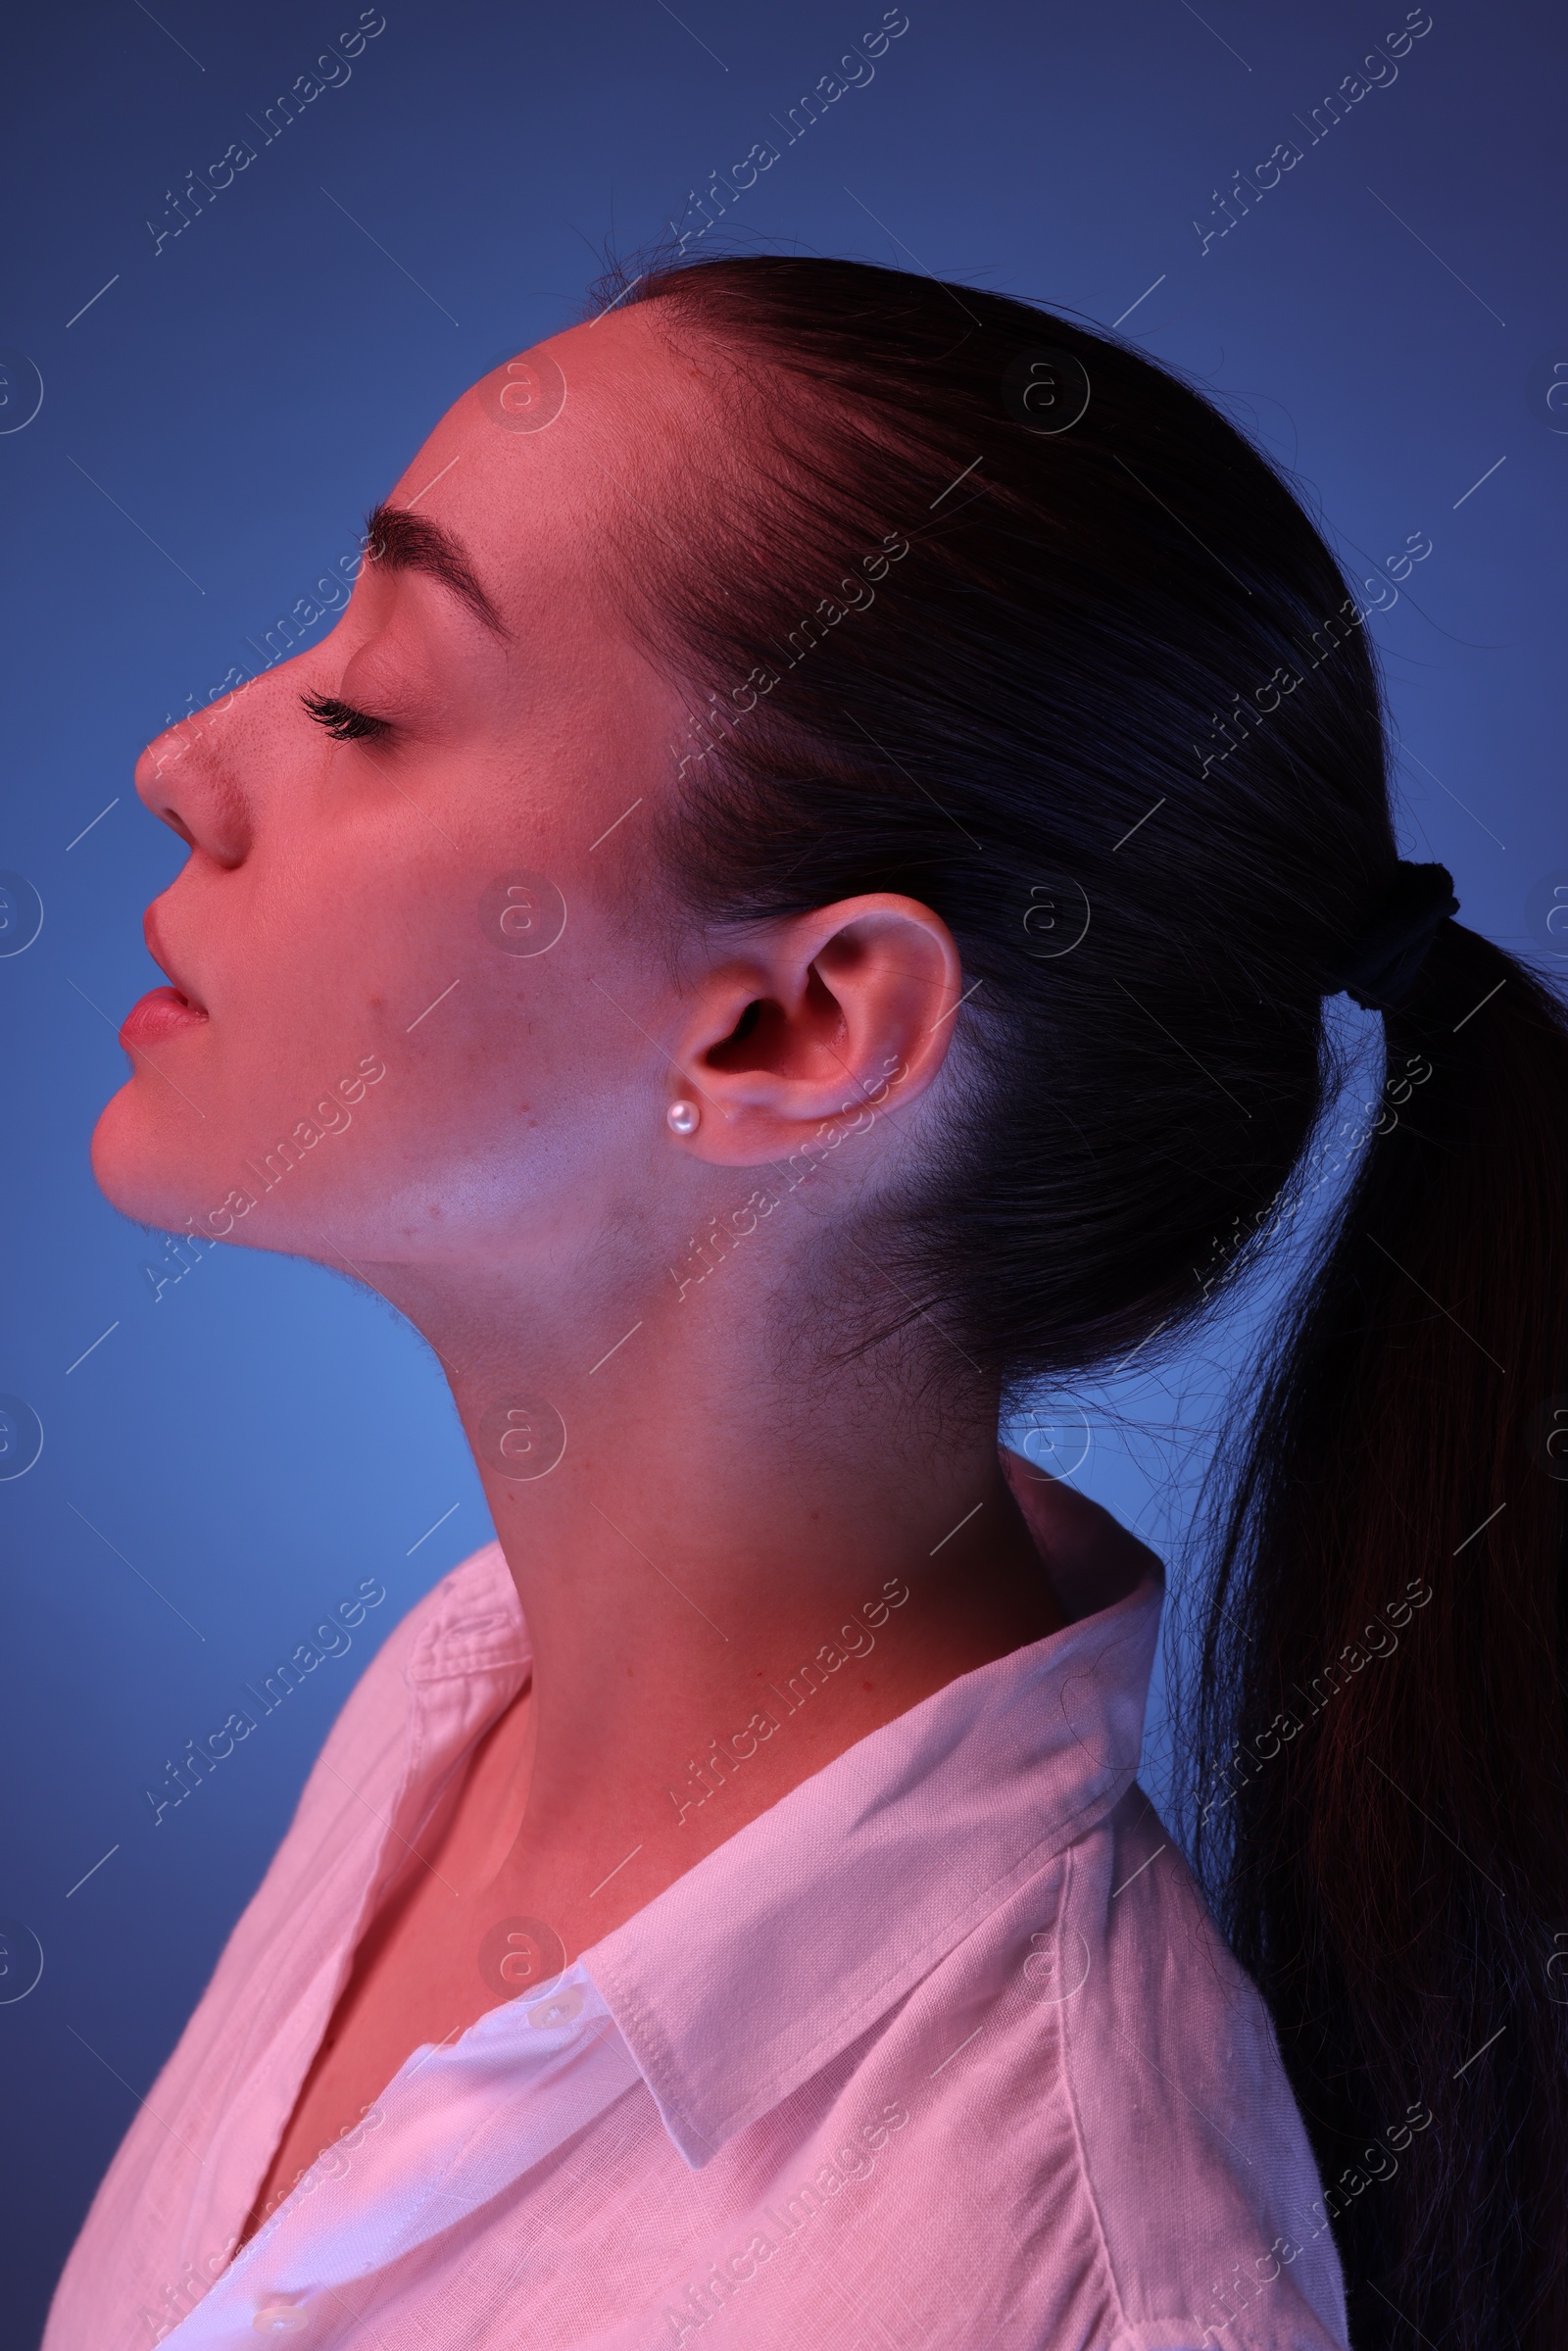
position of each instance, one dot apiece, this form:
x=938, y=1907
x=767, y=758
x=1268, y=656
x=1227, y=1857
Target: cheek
x=514, y=1097
x=519, y=1103
x=314, y=965
x=510, y=1093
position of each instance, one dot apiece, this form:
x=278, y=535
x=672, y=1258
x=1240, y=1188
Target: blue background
x=234, y=1457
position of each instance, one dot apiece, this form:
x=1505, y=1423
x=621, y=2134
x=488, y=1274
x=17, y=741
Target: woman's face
x=388, y=1052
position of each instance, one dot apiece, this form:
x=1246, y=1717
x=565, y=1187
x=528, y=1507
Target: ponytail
x=1382, y=1730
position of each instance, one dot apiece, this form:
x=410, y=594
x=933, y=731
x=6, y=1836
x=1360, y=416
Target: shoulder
x=227, y=2090
x=1193, y=2151
x=1102, y=2147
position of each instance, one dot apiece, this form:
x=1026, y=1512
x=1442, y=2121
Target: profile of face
x=422, y=1012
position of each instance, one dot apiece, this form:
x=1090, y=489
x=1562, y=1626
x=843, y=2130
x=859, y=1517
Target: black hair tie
x=1393, y=946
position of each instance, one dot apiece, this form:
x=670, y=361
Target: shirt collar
x=778, y=1950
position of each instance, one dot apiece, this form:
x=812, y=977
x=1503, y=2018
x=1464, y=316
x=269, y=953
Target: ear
x=826, y=1018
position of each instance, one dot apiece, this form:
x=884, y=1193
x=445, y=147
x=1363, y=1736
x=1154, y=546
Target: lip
x=161, y=1013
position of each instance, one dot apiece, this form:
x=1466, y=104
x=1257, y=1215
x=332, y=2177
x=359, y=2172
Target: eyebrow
x=398, y=540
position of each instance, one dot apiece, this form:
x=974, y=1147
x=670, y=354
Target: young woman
x=797, y=902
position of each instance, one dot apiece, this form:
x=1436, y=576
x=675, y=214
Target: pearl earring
x=683, y=1117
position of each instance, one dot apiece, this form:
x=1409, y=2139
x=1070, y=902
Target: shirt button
x=563, y=2009
x=281, y=2318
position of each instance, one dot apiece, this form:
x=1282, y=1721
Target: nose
x=188, y=777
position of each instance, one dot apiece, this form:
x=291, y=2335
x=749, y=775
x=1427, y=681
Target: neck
x=730, y=1573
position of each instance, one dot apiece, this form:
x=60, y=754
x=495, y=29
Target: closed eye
x=342, y=722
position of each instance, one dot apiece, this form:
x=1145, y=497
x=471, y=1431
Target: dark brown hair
x=988, y=609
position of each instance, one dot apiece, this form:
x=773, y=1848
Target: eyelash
x=342, y=722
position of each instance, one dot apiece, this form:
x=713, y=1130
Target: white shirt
x=941, y=2050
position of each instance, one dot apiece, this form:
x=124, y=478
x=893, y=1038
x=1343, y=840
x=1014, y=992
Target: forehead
x=532, y=467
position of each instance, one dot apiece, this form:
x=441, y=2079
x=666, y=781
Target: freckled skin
x=513, y=1186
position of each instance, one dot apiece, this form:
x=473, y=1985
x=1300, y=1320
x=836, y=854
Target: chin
x=139, y=1167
